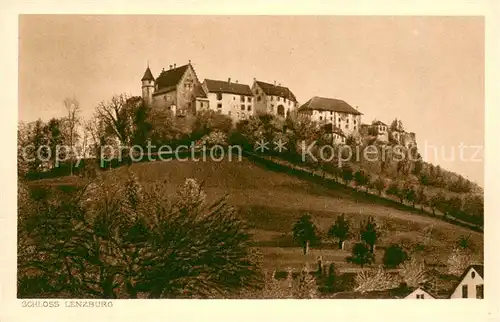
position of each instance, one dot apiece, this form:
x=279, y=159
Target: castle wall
x=238, y=107
x=185, y=92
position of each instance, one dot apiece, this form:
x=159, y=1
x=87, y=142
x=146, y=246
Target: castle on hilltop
x=179, y=90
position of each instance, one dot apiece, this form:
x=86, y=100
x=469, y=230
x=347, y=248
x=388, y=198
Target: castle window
x=321, y=118
x=473, y=275
x=258, y=98
x=249, y=99
x=249, y=108
x=219, y=96
x=219, y=105
x=242, y=98
x=242, y=107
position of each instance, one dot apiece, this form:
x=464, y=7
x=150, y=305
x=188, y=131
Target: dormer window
x=473, y=274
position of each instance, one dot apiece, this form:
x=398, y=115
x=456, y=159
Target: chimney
x=174, y=65
x=229, y=80
x=236, y=81
x=274, y=83
x=190, y=62
x=254, y=79
x=170, y=67
x=162, y=70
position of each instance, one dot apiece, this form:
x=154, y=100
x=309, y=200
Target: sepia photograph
x=249, y=157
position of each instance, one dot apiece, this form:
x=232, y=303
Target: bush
x=394, y=255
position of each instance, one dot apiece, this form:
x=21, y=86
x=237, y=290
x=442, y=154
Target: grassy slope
x=273, y=201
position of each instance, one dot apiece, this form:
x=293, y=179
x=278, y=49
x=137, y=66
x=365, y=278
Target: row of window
x=238, y=115
x=242, y=98
x=243, y=107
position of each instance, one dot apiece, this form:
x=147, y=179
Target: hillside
x=272, y=201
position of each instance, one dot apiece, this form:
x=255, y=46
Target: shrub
x=394, y=255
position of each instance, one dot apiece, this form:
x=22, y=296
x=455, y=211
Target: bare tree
x=73, y=120
x=117, y=116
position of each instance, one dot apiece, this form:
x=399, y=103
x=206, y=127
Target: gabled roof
x=171, y=77
x=411, y=290
x=477, y=267
x=393, y=293
x=276, y=90
x=148, y=75
x=217, y=86
x=329, y=104
x=379, y=123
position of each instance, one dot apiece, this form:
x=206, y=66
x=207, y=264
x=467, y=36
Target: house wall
x=270, y=104
x=202, y=104
x=471, y=283
x=348, y=123
x=260, y=105
x=232, y=105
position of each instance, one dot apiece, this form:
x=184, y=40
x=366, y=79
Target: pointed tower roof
x=148, y=75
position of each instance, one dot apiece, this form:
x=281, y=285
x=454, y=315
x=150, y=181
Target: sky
x=426, y=71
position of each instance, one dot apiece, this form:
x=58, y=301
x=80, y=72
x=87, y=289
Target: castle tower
x=148, y=86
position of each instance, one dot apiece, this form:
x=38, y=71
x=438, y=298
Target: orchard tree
x=369, y=233
x=379, y=185
x=305, y=232
x=361, y=255
x=340, y=230
x=421, y=197
x=436, y=201
x=394, y=255
x=347, y=175
x=361, y=179
x=396, y=189
x=410, y=194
